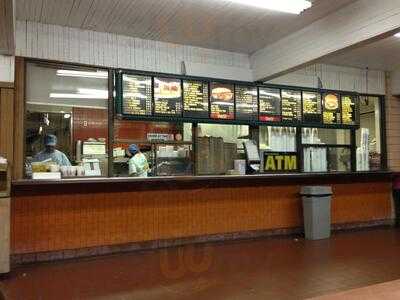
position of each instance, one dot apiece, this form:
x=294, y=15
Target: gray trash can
x=317, y=211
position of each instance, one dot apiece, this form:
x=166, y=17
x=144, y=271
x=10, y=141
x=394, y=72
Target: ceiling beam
x=7, y=27
x=359, y=23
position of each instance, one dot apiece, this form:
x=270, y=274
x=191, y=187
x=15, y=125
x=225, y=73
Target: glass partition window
x=161, y=148
x=278, y=139
x=220, y=147
x=182, y=127
x=66, y=121
x=369, y=149
x=322, y=136
x=339, y=159
x=326, y=150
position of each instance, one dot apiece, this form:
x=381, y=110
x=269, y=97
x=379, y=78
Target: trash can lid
x=316, y=190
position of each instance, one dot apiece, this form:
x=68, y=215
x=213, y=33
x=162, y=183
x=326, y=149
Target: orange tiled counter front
x=57, y=217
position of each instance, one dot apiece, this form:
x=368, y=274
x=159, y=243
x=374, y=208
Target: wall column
x=7, y=151
x=392, y=126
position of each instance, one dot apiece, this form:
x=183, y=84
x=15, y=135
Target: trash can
x=317, y=211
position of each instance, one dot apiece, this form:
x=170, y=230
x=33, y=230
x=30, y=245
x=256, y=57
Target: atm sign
x=280, y=162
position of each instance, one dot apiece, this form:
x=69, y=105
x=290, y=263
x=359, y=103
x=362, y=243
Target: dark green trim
x=119, y=100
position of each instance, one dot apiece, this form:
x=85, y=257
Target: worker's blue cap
x=50, y=140
x=133, y=149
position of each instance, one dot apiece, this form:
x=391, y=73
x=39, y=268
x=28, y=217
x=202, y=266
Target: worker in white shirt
x=138, y=165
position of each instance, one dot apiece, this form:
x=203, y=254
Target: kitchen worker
x=50, y=153
x=138, y=165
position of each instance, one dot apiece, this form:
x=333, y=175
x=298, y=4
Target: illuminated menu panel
x=195, y=99
x=246, y=102
x=137, y=95
x=331, y=108
x=222, y=101
x=349, y=106
x=270, y=104
x=291, y=106
x=312, y=107
x=167, y=96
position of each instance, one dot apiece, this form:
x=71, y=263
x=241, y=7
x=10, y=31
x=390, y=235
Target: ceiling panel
x=381, y=55
x=217, y=24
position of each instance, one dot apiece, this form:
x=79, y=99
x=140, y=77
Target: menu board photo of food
x=195, y=99
x=270, y=104
x=222, y=101
x=349, y=108
x=167, y=96
x=331, y=108
x=291, y=106
x=312, y=107
x=137, y=95
x=246, y=98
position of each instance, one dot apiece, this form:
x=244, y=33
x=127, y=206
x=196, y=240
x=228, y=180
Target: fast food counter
x=84, y=217
x=215, y=129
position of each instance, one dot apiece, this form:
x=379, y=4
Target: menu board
x=222, y=101
x=143, y=95
x=195, y=99
x=331, y=108
x=349, y=106
x=246, y=102
x=312, y=107
x=137, y=95
x=291, y=106
x=270, y=104
x=167, y=96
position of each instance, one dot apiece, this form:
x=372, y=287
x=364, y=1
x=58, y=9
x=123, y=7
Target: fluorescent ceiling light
x=83, y=94
x=74, y=96
x=84, y=74
x=288, y=6
x=103, y=94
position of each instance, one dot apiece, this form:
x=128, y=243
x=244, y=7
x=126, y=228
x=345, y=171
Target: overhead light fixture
x=288, y=6
x=101, y=94
x=82, y=94
x=397, y=35
x=72, y=96
x=75, y=96
x=84, y=74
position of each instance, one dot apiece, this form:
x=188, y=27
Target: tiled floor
x=275, y=268
x=388, y=291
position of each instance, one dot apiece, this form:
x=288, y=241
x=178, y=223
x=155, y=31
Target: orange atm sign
x=280, y=162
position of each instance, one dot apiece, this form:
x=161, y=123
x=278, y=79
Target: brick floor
x=274, y=268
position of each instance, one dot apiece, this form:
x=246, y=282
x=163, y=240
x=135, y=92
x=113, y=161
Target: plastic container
x=317, y=211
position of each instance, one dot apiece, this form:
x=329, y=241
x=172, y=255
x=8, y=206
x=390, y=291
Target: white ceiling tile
x=381, y=55
x=214, y=24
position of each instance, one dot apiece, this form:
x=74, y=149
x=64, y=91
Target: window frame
x=114, y=106
x=71, y=66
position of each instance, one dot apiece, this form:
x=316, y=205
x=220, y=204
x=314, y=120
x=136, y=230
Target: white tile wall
x=337, y=78
x=110, y=50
